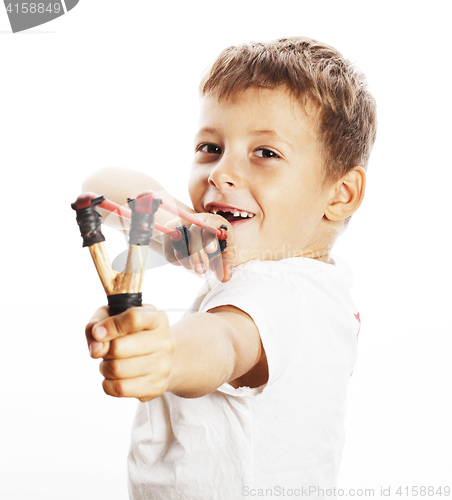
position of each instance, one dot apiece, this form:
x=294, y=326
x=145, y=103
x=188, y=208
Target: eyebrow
x=257, y=133
x=207, y=130
x=273, y=134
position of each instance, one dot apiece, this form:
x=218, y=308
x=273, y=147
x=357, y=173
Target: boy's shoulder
x=294, y=270
x=276, y=282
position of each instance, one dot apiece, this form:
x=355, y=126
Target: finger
x=138, y=366
x=168, y=250
x=96, y=349
x=143, y=388
x=133, y=320
x=223, y=263
x=171, y=255
x=198, y=257
x=218, y=221
x=183, y=261
x=141, y=343
x=226, y=272
x=209, y=242
x=99, y=315
x=222, y=266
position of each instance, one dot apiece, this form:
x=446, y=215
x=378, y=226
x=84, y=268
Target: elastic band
x=122, y=301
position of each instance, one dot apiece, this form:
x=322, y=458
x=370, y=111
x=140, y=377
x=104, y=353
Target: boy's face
x=257, y=156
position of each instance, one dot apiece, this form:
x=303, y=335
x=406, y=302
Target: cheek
x=196, y=187
x=290, y=202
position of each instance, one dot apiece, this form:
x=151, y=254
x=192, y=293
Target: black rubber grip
x=181, y=246
x=142, y=224
x=89, y=221
x=221, y=245
x=122, y=301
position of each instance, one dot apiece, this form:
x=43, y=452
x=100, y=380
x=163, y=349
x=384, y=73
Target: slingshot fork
x=123, y=289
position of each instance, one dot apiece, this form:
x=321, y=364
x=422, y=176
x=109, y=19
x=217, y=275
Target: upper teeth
x=236, y=213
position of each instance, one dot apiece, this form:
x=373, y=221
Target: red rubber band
x=221, y=234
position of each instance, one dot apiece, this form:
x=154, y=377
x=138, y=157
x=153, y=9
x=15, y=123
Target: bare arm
x=117, y=184
x=143, y=357
x=222, y=345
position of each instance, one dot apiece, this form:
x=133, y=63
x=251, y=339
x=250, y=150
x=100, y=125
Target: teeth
x=235, y=213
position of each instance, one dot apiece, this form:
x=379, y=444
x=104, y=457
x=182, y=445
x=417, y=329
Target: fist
x=201, y=244
x=137, y=350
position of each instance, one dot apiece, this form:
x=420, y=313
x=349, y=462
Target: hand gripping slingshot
x=124, y=289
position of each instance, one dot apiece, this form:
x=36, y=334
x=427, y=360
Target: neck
x=322, y=255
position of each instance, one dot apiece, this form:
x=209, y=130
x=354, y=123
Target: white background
x=115, y=83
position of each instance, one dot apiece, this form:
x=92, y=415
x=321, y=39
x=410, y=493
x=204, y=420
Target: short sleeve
x=272, y=306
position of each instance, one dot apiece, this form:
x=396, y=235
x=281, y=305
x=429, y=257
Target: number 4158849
x=423, y=491
x=33, y=8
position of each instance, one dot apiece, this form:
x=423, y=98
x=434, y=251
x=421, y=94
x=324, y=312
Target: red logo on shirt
x=359, y=320
x=359, y=328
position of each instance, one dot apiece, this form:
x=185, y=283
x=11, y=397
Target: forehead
x=266, y=109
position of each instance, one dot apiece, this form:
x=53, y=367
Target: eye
x=209, y=148
x=266, y=153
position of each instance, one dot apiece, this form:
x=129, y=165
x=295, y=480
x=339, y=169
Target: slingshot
x=124, y=289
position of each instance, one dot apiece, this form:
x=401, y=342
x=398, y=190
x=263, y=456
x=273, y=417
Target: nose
x=226, y=174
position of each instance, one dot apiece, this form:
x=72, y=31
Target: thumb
x=96, y=349
x=222, y=267
x=227, y=272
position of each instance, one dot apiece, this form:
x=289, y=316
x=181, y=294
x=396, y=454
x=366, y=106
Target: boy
x=246, y=396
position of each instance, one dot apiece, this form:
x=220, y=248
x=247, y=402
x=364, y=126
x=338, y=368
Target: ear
x=346, y=195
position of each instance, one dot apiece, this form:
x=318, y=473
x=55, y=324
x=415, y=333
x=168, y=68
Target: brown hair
x=313, y=71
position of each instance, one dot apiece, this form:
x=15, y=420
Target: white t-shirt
x=287, y=434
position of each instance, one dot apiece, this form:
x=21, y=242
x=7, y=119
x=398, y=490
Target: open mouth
x=232, y=214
